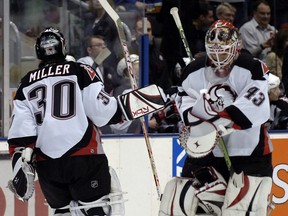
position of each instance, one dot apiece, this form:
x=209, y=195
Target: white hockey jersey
x=242, y=96
x=57, y=106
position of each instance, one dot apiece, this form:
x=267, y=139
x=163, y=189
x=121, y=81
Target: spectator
x=241, y=6
x=195, y=19
x=130, y=5
x=285, y=71
x=95, y=45
x=157, y=64
x=101, y=24
x=226, y=11
x=280, y=7
x=196, y=30
x=257, y=34
x=274, y=59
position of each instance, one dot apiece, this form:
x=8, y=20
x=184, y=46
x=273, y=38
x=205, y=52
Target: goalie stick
x=174, y=13
x=110, y=11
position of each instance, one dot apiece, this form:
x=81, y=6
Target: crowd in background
x=263, y=26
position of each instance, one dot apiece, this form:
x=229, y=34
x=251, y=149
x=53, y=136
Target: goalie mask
x=222, y=43
x=50, y=45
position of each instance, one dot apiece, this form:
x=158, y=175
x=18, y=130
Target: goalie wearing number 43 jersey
x=57, y=109
x=227, y=89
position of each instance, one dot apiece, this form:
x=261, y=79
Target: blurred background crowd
x=92, y=39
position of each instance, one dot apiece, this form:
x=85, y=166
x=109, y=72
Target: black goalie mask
x=50, y=45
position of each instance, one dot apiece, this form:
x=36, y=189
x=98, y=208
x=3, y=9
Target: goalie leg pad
x=178, y=198
x=212, y=190
x=111, y=204
x=22, y=184
x=118, y=208
x=252, y=198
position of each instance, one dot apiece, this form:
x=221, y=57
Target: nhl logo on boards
x=94, y=184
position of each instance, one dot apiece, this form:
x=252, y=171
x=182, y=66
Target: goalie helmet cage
x=110, y=11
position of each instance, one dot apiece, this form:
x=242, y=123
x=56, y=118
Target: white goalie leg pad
x=178, y=198
x=112, y=203
x=211, y=196
x=252, y=199
x=116, y=207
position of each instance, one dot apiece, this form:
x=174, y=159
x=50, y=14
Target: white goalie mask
x=222, y=43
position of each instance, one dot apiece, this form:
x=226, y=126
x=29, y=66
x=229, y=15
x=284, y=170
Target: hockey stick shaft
x=174, y=13
x=110, y=11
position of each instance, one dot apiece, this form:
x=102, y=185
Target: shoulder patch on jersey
x=89, y=70
x=264, y=67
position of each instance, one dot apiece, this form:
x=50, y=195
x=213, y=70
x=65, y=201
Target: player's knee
x=178, y=198
x=255, y=200
x=187, y=196
x=210, y=190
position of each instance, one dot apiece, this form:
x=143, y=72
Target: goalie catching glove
x=22, y=184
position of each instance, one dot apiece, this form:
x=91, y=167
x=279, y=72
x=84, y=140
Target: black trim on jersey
x=193, y=66
x=117, y=117
x=84, y=79
x=84, y=141
x=22, y=141
x=81, y=144
x=238, y=117
x=247, y=61
x=259, y=150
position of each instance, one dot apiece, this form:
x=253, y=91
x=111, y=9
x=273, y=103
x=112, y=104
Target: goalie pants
x=250, y=165
x=85, y=178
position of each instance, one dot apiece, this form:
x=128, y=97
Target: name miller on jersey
x=47, y=71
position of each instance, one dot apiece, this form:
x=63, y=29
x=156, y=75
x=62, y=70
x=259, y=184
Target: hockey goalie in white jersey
x=57, y=109
x=223, y=97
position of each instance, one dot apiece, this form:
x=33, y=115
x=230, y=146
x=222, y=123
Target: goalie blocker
x=140, y=102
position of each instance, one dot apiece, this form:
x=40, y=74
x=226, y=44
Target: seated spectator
x=195, y=18
x=274, y=59
x=95, y=46
x=195, y=26
x=241, y=6
x=279, y=105
x=102, y=24
x=226, y=11
x=130, y=5
x=285, y=71
x=157, y=64
x=257, y=34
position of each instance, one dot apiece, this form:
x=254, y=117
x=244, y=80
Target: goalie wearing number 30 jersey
x=57, y=109
x=227, y=89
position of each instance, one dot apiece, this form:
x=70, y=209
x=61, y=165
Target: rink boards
x=129, y=157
